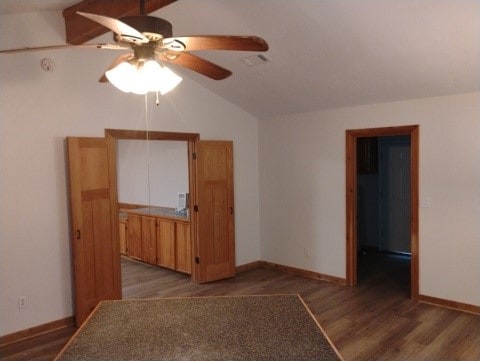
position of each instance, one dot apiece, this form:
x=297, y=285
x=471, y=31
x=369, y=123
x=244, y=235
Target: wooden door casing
x=215, y=229
x=95, y=248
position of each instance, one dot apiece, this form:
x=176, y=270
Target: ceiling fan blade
x=198, y=65
x=118, y=27
x=216, y=42
x=120, y=59
x=64, y=46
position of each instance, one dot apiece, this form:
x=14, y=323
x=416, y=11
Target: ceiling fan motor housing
x=144, y=52
x=152, y=27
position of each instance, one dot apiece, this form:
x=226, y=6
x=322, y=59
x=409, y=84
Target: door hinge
x=195, y=208
x=194, y=155
x=231, y=210
x=197, y=260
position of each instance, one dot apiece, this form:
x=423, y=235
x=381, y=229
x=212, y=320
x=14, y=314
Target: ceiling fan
x=151, y=38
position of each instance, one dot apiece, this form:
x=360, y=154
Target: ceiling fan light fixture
x=122, y=76
x=169, y=80
x=143, y=77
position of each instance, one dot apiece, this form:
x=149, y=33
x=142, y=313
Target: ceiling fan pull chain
x=157, y=101
x=148, y=151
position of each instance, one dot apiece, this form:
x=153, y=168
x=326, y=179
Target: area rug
x=243, y=328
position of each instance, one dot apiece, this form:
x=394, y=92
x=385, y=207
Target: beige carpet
x=276, y=327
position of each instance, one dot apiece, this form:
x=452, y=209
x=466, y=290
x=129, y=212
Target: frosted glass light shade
x=169, y=80
x=122, y=76
x=143, y=77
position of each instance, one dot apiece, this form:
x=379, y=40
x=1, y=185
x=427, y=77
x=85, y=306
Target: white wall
x=302, y=189
x=151, y=173
x=37, y=111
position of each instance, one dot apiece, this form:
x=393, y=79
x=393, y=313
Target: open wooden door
x=215, y=241
x=96, y=254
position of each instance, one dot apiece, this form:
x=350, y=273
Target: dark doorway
x=352, y=251
x=383, y=211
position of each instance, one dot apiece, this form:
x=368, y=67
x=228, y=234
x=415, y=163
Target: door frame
x=112, y=135
x=351, y=199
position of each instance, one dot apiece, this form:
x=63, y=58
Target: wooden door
x=134, y=236
x=166, y=243
x=94, y=237
x=215, y=248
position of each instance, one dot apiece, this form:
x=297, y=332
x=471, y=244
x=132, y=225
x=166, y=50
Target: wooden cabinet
x=160, y=240
x=183, y=252
x=134, y=236
x=166, y=243
x=149, y=240
x=122, y=233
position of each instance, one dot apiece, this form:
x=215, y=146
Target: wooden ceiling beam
x=80, y=29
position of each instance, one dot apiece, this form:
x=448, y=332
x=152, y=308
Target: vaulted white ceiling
x=329, y=53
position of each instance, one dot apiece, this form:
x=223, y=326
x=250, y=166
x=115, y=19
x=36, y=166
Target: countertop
x=163, y=212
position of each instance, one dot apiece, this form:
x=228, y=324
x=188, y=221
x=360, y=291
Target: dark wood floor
x=375, y=320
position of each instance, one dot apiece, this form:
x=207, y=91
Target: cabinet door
x=182, y=247
x=134, y=236
x=149, y=240
x=166, y=243
x=122, y=236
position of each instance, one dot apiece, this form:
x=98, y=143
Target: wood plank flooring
x=372, y=321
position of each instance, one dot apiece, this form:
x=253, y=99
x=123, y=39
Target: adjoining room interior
x=151, y=176
x=383, y=210
x=288, y=96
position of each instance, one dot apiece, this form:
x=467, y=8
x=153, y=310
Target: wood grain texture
x=80, y=30
x=375, y=320
x=151, y=135
x=149, y=239
x=215, y=200
x=94, y=234
x=37, y=331
x=183, y=252
x=166, y=243
x=134, y=236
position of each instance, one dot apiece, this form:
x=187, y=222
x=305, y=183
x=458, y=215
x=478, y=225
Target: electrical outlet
x=22, y=302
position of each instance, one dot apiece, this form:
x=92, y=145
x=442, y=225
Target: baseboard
x=304, y=273
x=248, y=266
x=36, y=331
x=453, y=305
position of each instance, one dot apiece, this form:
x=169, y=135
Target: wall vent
x=254, y=60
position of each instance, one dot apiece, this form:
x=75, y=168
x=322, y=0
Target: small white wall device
x=182, y=203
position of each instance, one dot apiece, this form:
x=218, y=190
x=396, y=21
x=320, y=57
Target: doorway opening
x=383, y=213
x=114, y=135
x=354, y=138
